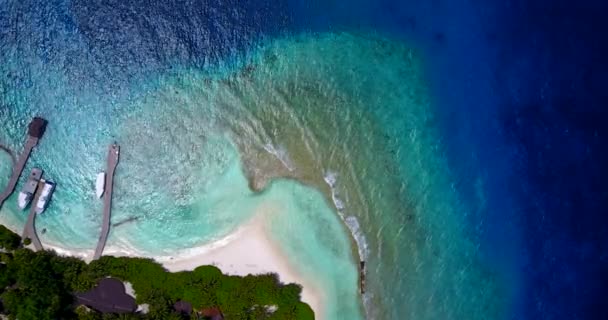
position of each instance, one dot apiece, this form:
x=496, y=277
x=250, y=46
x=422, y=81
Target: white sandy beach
x=246, y=251
x=250, y=252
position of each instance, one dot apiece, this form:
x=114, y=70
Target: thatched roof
x=108, y=297
x=36, y=127
x=212, y=314
x=182, y=307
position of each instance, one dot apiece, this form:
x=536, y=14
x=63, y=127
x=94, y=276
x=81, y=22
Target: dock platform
x=112, y=162
x=29, y=231
x=36, y=130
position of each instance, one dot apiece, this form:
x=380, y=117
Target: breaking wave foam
x=281, y=154
x=351, y=222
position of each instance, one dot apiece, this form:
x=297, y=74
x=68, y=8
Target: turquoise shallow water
x=5, y=168
x=458, y=203
x=347, y=115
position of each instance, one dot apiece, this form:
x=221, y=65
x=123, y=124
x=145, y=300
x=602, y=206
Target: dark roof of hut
x=36, y=127
x=212, y=314
x=183, y=307
x=108, y=297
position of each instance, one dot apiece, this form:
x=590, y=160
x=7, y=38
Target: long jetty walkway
x=35, y=132
x=113, y=154
x=29, y=231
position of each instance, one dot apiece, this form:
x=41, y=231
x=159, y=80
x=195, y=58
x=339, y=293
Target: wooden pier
x=29, y=231
x=36, y=130
x=112, y=162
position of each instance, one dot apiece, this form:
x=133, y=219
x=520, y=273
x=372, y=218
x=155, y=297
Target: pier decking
x=112, y=162
x=36, y=130
x=29, y=230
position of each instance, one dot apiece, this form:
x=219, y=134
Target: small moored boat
x=28, y=190
x=23, y=199
x=100, y=184
x=45, y=196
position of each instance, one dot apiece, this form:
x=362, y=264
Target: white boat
x=100, y=184
x=29, y=188
x=23, y=199
x=45, y=196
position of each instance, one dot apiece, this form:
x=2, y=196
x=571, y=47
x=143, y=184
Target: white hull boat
x=29, y=188
x=100, y=184
x=45, y=196
x=23, y=199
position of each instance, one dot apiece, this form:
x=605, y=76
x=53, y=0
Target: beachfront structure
x=212, y=314
x=28, y=190
x=109, y=296
x=183, y=307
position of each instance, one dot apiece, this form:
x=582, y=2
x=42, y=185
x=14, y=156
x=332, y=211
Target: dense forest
x=41, y=285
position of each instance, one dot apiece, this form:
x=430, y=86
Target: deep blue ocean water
x=518, y=89
x=521, y=86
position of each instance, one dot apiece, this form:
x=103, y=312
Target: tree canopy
x=40, y=285
x=8, y=239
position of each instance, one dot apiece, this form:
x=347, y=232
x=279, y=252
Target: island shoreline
x=247, y=250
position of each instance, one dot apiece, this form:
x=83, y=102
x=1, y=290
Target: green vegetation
x=39, y=285
x=8, y=240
